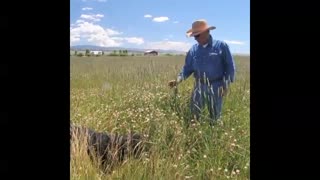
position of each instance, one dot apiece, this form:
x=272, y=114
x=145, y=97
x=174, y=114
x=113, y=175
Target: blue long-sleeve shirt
x=212, y=62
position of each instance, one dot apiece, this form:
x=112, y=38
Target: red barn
x=151, y=53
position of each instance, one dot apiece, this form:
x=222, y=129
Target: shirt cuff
x=179, y=79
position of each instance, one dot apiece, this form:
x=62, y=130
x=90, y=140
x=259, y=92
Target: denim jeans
x=207, y=95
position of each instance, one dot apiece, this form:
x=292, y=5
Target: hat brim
x=190, y=32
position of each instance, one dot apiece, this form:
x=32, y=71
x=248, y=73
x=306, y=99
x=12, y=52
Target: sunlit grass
x=121, y=94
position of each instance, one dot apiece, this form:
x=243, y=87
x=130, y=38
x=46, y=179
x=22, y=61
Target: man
x=213, y=68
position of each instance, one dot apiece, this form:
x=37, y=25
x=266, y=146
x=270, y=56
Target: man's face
x=202, y=38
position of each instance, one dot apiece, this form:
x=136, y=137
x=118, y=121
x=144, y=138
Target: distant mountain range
x=110, y=49
x=130, y=50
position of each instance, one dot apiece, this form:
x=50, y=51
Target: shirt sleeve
x=229, y=64
x=186, y=70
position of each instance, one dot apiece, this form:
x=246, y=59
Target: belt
x=210, y=80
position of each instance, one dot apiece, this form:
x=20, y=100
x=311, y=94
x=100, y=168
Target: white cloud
x=74, y=38
x=112, y=32
x=93, y=33
x=80, y=21
x=92, y=17
x=175, y=22
x=160, y=19
x=117, y=38
x=135, y=40
x=103, y=40
x=100, y=15
x=234, y=42
x=86, y=8
x=131, y=40
x=169, y=45
x=147, y=16
x=97, y=35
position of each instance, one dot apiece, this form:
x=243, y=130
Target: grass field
x=118, y=94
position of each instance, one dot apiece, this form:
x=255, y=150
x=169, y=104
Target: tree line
x=113, y=53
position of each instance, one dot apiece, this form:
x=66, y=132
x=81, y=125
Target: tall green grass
x=121, y=94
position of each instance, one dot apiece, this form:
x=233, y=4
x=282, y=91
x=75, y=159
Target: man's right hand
x=172, y=83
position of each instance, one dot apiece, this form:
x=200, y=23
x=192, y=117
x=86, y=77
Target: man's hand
x=223, y=91
x=172, y=83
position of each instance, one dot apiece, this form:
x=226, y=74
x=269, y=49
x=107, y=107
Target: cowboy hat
x=198, y=27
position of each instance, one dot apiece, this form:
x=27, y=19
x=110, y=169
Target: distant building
x=96, y=52
x=151, y=53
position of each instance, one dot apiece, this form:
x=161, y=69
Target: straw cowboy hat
x=198, y=27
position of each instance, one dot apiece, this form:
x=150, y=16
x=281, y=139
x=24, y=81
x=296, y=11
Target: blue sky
x=158, y=24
